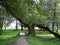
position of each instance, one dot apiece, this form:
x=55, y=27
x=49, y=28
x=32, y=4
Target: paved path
x=21, y=40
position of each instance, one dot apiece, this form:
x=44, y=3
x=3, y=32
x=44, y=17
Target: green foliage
x=31, y=12
x=22, y=9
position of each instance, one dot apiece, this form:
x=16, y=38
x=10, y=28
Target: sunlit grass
x=8, y=36
x=43, y=38
x=35, y=41
x=45, y=35
x=59, y=31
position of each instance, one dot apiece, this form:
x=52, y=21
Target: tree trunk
x=21, y=27
x=0, y=29
x=16, y=25
x=52, y=32
x=53, y=26
x=54, y=16
x=57, y=29
x=31, y=31
x=4, y=27
x=1, y=24
x=41, y=29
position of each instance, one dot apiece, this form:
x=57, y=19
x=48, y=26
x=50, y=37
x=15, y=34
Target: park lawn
x=8, y=36
x=44, y=34
x=33, y=41
x=43, y=39
x=59, y=31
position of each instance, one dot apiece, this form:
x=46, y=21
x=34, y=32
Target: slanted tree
x=27, y=12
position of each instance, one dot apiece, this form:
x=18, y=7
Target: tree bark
x=54, y=16
x=16, y=25
x=21, y=27
x=0, y=29
x=1, y=25
x=5, y=27
x=41, y=29
x=57, y=29
x=31, y=30
x=48, y=29
x=53, y=26
x=51, y=31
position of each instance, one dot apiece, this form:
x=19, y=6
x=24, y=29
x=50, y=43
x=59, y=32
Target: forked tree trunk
x=31, y=31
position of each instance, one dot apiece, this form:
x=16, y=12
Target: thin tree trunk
x=21, y=27
x=53, y=26
x=57, y=29
x=16, y=25
x=54, y=16
x=0, y=28
x=5, y=27
x=41, y=29
x=1, y=20
x=1, y=25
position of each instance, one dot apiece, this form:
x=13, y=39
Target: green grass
x=44, y=34
x=8, y=41
x=43, y=38
x=34, y=41
x=8, y=36
x=59, y=31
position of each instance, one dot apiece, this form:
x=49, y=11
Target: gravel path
x=21, y=40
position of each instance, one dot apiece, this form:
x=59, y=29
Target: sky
x=13, y=25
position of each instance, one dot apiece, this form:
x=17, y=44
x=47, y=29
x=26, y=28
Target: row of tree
x=6, y=19
x=32, y=13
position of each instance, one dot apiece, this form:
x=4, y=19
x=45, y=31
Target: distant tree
x=1, y=19
x=30, y=13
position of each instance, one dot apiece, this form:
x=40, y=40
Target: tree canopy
x=39, y=13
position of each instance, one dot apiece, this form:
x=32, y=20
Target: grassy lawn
x=34, y=41
x=43, y=39
x=59, y=31
x=8, y=37
x=44, y=34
